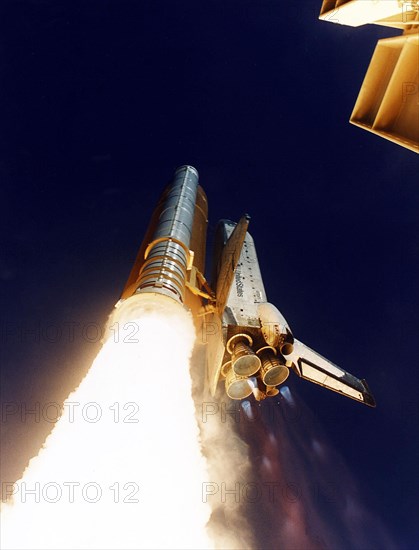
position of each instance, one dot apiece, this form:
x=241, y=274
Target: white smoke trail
x=122, y=467
x=278, y=483
x=228, y=462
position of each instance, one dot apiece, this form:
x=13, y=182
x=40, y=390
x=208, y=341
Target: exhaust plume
x=122, y=467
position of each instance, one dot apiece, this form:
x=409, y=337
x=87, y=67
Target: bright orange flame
x=122, y=467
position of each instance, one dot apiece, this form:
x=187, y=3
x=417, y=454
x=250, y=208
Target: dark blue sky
x=100, y=101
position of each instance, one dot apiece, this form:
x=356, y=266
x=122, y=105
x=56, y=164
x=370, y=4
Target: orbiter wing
x=312, y=366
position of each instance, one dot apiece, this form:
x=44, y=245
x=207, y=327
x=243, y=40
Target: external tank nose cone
x=187, y=168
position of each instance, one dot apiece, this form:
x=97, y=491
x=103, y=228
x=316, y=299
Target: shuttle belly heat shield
x=165, y=257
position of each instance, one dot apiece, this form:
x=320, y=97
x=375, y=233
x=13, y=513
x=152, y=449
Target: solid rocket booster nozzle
x=167, y=256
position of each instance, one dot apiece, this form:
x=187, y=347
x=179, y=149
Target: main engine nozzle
x=237, y=387
x=244, y=360
x=272, y=372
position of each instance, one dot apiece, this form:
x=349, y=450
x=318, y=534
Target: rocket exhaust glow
x=135, y=475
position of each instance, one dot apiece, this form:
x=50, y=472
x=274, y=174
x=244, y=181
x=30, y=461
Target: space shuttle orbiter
x=249, y=344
